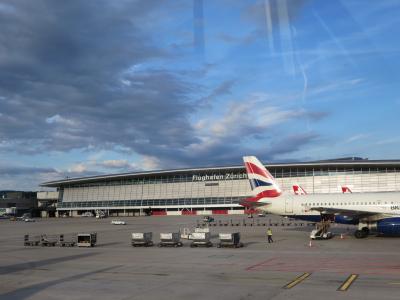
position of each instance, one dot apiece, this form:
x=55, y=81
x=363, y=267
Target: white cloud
x=115, y=163
x=357, y=137
x=57, y=119
x=150, y=163
x=78, y=168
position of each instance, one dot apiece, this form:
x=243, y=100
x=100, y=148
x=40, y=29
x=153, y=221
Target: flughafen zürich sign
x=215, y=177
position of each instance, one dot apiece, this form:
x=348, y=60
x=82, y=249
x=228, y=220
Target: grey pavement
x=115, y=270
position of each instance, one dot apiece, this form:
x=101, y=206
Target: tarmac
x=289, y=268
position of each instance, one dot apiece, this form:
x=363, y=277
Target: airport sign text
x=215, y=177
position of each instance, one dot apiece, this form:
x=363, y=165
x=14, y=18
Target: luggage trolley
x=67, y=240
x=142, y=239
x=201, y=239
x=31, y=241
x=231, y=240
x=48, y=240
x=172, y=239
x=86, y=239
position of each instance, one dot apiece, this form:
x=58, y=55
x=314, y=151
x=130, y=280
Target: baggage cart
x=231, y=240
x=48, y=240
x=31, y=240
x=201, y=239
x=199, y=229
x=87, y=239
x=142, y=239
x=66, y=240
x=172, y=239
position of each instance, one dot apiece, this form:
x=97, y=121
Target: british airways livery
x=372, y=212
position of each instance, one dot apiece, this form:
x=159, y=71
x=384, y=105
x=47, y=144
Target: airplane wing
x=344, y=212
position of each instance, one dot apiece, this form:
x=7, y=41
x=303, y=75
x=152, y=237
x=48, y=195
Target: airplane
x=372, y=212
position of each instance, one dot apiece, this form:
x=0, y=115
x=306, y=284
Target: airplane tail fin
x=298, y=190
x=346, y=189
x=262, y=182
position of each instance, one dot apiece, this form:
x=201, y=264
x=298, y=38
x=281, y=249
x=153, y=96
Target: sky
x=103, y=87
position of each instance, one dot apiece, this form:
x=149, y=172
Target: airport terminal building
x=215, y=190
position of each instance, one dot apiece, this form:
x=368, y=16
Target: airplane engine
x=388, y=227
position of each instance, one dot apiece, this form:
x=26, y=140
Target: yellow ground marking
x=346, y=284
x=296, y=281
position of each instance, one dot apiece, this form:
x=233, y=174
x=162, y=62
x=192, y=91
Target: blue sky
x=101, y=87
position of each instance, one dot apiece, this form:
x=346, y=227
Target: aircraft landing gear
x=363, y=233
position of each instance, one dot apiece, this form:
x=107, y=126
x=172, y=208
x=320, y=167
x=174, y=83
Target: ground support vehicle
x=48, y=240
x=87, y=239
x=66, y=240
x=142, y=239
x=31, y=240
x=318, y=234
x=201, y=239
x=208, y=219
x=321, y=231
x=118, y=222
x=171, y=239
x=231, y=240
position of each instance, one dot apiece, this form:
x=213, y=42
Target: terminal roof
x=343, y=163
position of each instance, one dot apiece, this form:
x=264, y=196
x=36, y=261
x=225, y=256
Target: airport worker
x=269, y=234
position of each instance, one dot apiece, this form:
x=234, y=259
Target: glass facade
x=222, y=188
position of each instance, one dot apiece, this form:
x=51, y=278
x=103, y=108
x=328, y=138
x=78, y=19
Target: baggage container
x=87, y=239
x=200, y=239
x=205, y=229
x=31, y=240
x=230, y=240
x=142, y=239
x=67, y=240
x=170, y=239
x=48, y=240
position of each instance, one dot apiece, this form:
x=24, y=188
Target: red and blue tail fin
x=262, y=182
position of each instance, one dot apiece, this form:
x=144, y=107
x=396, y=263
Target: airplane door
x=289, y=205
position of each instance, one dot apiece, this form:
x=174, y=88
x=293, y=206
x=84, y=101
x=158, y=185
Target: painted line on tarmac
x=347, y=283
x=296, y=281
x=260, y=264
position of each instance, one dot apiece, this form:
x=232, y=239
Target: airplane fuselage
x=304, y=206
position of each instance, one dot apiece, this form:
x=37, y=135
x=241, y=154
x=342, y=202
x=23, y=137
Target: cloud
x=224, y=88
x=78, y=168
x=357, y=137
x=54, y=73
x=12, y=170
x=57, y=119
x=115, y=163
x=28, y=178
